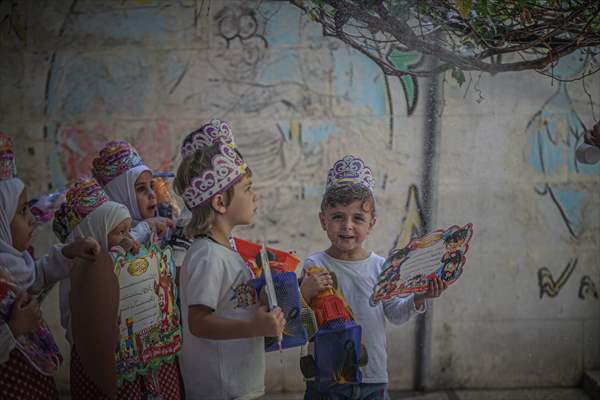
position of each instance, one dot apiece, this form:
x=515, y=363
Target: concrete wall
x=526, y=312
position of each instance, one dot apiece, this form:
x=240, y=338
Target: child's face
x=21, y=226
x=144, y=193
x=242, y=208
x=347, y=226
x=119, y=233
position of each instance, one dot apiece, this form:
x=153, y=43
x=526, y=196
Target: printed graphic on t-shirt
x=244, y=295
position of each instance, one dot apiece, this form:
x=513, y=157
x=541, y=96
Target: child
x=222, y=355
x=127, y=180
x=88, y=212
x=348, y=216
x=19, y=378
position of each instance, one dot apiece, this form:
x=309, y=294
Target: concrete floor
x=513, y=394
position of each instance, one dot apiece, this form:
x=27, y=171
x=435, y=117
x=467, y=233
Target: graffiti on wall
x=297, y=101
x=554, y=133
x=587, y=288
x=405, y=60
x=551, y=287
x=13, y=22
x=412, y=225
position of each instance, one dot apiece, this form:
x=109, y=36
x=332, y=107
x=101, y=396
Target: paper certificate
x=408, y=270
x=149, y=330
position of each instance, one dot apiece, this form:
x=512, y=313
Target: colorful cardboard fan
x=283, y=266
x=149, y=329
x=408, y=270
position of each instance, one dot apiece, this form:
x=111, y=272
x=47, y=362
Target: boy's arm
x=203, y=323
x=401, y=310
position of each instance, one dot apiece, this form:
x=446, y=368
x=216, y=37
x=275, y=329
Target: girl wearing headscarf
x=120, y=171
x=23, y=376
x=88, y=211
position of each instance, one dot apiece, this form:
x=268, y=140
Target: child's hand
x=87, y=248
x=269, y=323
x=315, y=283
x=25, y=315
x=160, y=225
x=129, y=244
x=435, y=289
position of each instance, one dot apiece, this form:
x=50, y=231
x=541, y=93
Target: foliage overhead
x=463, y=35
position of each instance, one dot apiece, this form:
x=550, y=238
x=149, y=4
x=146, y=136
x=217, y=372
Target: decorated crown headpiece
x=81, y=199
x=213, y=132
x=227, y=167
x=350, y=170
x=114, y=159
x=8, y=167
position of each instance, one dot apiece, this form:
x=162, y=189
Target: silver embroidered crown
x=350, y=170
x=213, y=132
x=227, y=168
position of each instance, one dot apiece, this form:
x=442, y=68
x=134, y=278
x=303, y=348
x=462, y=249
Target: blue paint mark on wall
x=145, y=24
x=282, y=23
x=283, y=69
x=359, y=81
x=56, y=172
x=571, y=202
x=314, y=191
x=554, y=134
x=314, y=132
x=99, y=83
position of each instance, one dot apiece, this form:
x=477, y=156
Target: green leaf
x=458, y=76
x=464, y=7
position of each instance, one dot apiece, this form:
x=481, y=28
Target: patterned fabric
x=227, y=168
x=19, y=380
x=8, y=167
x=350, y=170
x=164, y=383
x=213, y=132
x=81, y=199
x=83, y=388
x=114, y=159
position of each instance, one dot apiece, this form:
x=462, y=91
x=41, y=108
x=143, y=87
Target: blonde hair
x=203, y=217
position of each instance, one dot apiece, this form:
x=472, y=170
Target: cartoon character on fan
x=165, y=298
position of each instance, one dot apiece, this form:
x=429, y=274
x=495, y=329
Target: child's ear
x=218, y=203
x=322, y=219
x=372, y=223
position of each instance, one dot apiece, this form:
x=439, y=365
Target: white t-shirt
x=217, y=277
x=356, y=280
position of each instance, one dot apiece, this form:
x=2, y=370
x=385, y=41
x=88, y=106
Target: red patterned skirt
x=20, y=380
x=164, y=382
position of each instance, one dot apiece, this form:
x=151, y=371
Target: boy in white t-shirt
x=222, y=355
x=348, y=216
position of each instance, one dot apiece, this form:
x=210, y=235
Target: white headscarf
x=122, y=190
x=19, y=264
x=98, y=225
x=100, y=222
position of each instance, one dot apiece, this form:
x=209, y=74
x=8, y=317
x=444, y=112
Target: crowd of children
x=222, y=353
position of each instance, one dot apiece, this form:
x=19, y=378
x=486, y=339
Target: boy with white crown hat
x=348, y=216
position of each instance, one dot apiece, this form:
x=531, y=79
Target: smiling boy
x=348, y=217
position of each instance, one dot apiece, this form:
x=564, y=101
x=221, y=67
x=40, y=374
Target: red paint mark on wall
x=78, y=145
